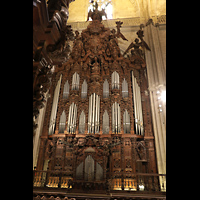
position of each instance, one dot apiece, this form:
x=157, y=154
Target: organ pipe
x=74, y=119
x=134, y=101
x=119, y=119
x=93, y=116
x=71, y=118
x=75, y=81
x=71, y=127
x=54, y=107
x=93, y=112
x=116, y=118
x=96, y=114
x=113, y=121
x=137, y=107
x=89, y=116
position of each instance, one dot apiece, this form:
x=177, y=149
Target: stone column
x=156, y=72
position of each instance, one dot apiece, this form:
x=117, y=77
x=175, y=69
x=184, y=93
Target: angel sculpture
x=141, y=35
x=138, y=44
x=119, y=34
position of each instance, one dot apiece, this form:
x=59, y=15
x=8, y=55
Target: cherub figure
x=138, y=44
x=136, y=47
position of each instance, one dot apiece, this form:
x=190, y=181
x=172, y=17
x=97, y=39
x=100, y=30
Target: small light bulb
x=163, y=96
x=158, y=92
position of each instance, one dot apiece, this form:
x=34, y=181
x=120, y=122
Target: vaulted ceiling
x=121, y=9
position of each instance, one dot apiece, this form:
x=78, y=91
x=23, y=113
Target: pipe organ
x=98, y=120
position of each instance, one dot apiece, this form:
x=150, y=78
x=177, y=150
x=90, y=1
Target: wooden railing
x=139, y=182
x=55, y=179
x=118, y=181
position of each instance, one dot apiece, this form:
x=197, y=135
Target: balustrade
x=119, y=181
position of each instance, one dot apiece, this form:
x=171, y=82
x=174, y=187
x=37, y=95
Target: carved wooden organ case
x=97, y=126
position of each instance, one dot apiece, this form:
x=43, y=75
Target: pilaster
x=156, y=72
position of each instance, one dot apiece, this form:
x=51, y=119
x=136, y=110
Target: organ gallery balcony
x=145, y=183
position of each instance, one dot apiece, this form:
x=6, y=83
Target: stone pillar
x=156, y=72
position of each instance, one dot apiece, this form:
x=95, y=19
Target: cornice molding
x=127, y=22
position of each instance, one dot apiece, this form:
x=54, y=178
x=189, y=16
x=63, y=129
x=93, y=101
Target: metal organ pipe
x=71, y=127
x=93, y=111
x=75, y=116
x=141, y=117
x=98, y=113
x=117, y=80
x=77, y=83
x=113, y=121
x=68, y=124
x=115, y=117
x=96, y=110
x=72, y=113
x=89, y=115
x=119, y=119
x=54, y=107
x=72, y=119
x=137, y=101
x=93, y=116
x=73, y=82
x=90, y=129
x=137, y=107
x=134, y=101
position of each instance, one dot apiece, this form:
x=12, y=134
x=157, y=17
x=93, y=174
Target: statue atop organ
x=96, y=14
